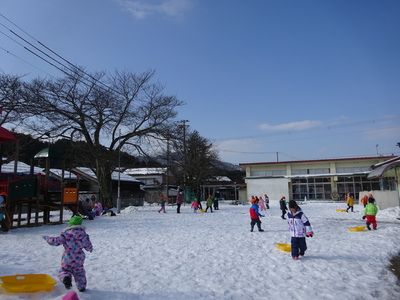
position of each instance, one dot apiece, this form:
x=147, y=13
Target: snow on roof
x=22, y=168
x=220, y=178
x=67, y=174
x=146, y=171
x=395, y=159
x=114, y=175
x=385, y=169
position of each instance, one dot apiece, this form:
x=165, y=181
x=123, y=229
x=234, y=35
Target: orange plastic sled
x=359, y=228
x=284, y=247
x=27, y=283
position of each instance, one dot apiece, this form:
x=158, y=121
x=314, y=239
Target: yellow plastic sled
x=284, y=247
x=359, y=228
x=202, y=210
x=340, y=210
x=27, y=283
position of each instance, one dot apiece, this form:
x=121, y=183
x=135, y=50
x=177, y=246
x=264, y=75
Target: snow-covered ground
x=142, y=254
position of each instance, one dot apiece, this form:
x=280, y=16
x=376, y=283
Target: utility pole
x=167, y=172
x=184, y=154
x=119, y=175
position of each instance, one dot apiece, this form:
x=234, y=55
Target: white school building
x=326, y=179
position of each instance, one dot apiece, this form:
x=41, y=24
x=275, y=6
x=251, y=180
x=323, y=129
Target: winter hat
x=371, y=200
x=75, y=220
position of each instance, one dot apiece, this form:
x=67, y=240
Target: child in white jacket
x=300, y=228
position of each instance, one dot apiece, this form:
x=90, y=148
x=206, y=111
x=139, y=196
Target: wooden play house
x=37, y=199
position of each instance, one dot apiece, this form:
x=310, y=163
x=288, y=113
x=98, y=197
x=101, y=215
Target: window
x=299, y=172
x=311, y=188
x=352, y=169
x=319, y=171
x=310, y=171
x=268, y=173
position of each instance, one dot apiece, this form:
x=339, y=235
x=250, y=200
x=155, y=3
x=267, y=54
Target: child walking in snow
x=282, y=205
x=74, y=239
x=255, y=215
x=195, y=205
x=162, y=204
x=261, y=203
x=300, y=228
x=350, y=203
x=364, y=200
x=209, y=203
x=266, y=201
x=370, y=212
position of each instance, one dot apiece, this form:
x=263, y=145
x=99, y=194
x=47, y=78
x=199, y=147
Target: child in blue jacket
x=255, y=215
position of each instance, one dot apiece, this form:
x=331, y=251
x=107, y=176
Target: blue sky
x=262, y=79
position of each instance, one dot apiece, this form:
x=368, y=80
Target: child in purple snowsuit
x=74, y=239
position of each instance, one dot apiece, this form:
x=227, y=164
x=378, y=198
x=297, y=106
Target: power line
x=91, y=79
x=8, y=52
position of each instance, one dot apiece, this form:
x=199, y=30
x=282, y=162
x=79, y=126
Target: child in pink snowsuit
x=262, y=203
x=74, y=239
x=195, y=205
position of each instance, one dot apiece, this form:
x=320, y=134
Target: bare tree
x=106, y=112
x=11, y=100
x=194, y=160
x=11, y=105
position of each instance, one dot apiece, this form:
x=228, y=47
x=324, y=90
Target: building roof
x=6, y=135
x=317, y=160
x=385, y=169
x=145, y=171
x=48, y=153
x=67, y=175
x=115, y=176
x=219, y=179
x=22, y=168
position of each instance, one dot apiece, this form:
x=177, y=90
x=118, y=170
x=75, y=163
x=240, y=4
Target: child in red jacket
x=255, y=215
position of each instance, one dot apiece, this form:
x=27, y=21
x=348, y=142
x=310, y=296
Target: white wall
x=275, y=188
x=383, y=199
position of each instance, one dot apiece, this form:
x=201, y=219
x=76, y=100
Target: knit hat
x=75, y=220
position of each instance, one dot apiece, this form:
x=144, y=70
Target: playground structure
x=30, y=200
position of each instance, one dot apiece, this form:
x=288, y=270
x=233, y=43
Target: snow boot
x=67, y=282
